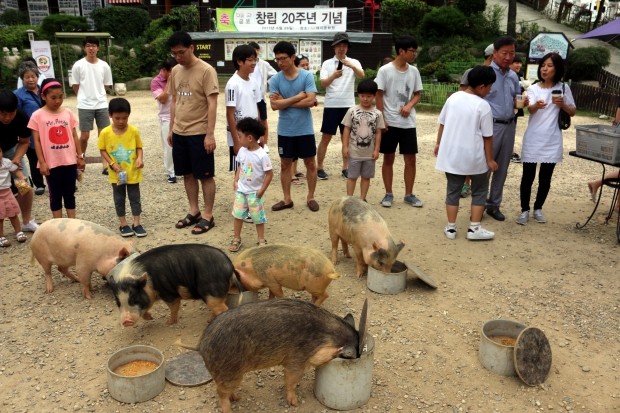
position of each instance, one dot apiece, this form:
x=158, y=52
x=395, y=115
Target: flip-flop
x=203, y=226
x=593, y=191
x=280, y=205
x=189, y=220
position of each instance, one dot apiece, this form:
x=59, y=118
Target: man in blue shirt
x=293, y=93
x=502, y=101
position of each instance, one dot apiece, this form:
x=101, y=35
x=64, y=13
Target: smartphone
x=339, y=65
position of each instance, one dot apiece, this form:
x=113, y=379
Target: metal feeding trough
x=144, y=382
x=345, y=384
x=510, y=348
x=395, y=281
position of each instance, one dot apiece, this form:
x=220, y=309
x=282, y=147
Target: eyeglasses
x=280, y=59
x=90, y=46
x=179, y=53
x=414, y=51
x=251, y=60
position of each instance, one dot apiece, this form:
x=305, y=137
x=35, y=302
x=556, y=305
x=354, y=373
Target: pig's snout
x=129, y=319
x=127, y=323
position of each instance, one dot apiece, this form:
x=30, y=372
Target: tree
x=511, y=27
x=599, y=14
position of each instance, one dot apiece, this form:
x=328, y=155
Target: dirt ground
x=552, y=276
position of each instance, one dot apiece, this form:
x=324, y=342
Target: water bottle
x=122, y=178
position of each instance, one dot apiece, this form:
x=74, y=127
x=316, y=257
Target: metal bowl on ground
x=148, y=365
x=392, y=282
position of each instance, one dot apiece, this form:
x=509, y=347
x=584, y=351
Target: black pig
x=172, y=273
x=292, y=333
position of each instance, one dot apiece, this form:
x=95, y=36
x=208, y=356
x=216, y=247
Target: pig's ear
x=142, y=279
x=376, y=246
x=400, y=245
x=350, y=320
x=123, y=253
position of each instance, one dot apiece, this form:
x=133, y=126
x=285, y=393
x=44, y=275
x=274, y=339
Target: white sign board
x=42, y=54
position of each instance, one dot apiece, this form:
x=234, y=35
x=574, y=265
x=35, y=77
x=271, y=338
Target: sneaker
x=266, y=148
x=39, y=191
x=465, y=191
x=321, y=174
x=172, y=179
x=30, y=227
x=515, y=158
x=479, y=233
x=539, y=216
x=248, y=219
x=139, y=231
x=523, y=218
x=345, y=174
x=413, y=201
x=450, y=232
x=126, y=231
x=387, y=200
x=104, y=171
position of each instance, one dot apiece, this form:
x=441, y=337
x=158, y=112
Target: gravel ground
x=552, y=276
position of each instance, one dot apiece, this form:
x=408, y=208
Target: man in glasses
x=194, y=88
x=400, y=90
x=92, y=78
x=292, y=92
x=338, y=78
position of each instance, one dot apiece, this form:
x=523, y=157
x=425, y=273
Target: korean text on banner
x=280, y=20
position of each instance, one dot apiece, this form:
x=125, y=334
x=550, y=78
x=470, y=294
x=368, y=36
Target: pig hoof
x=171, y=321
x=147, y=316
x=292, y=400
x=234, y=398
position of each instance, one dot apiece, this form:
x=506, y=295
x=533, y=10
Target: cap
x=489, y=50
x=340, y=37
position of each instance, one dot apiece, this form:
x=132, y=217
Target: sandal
x=188, y=220
x=262, y=242
x=4, y=242
x=300, y=175
x=21, y=237
x=235, y=245
x=203, y=226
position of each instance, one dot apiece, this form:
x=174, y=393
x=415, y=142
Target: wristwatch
x=81, y=156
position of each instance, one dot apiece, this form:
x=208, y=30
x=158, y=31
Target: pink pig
x=89, y=247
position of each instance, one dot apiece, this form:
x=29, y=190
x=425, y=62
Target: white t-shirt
x=6, y=167
x=92, y=77
x=466, y=119
x=262, y=72
x=242, y=95
x=252, y=166
x=542, y=141
x=398, y=89
x=341, y=92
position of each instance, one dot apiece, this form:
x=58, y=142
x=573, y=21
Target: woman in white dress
x=542, y=142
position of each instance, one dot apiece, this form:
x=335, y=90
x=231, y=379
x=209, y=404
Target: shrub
x=12, y=17
x=62, y=23
x=403, y=14
x=442, y=22
x=123, y=23
x=585, y=63
x=151, y=56
x=184, y=18
x=470, y=7
x=15, y=36
x=125, y=68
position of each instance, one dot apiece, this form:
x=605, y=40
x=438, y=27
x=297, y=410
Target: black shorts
x=190, y=157
x=292, y=147
x=332, y=120
x=405, y=139
x=232, y=159
x=262, y=109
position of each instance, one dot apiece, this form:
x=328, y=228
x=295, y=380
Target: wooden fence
x=595, y=99
x=608, y=81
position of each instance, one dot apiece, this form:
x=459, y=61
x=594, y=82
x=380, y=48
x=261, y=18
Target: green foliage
x=442, y=22
x=12, y=17
x=403, y=14
x=69, y=56
x=15, y=36
x=493, y=17
x=153, y=54
x=585, y=63
x=154, y=30
x=527, y=31
x=470, y=7
x=123, y=23
x=125, y=68
x=370, y=73
x=62, y=23
x=184, y=18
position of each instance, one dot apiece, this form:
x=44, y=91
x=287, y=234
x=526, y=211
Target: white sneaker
x=450, y=232
x=479, y=233
x=31, y=226
x=266, y=148
x=539, y=216
x=523, y=218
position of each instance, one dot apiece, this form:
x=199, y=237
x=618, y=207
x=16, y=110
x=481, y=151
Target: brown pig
x=89, y=247
x=287, y=332
x=356, y=223
x=279, y=265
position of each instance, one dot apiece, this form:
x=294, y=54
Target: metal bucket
x=495, y=356
x=345, y=384
x=393, y=282
x=232, y=300
x=135, y=389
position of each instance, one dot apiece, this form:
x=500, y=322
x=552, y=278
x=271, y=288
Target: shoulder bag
x=563, y=117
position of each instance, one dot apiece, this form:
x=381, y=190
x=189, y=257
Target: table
x=613, y=183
